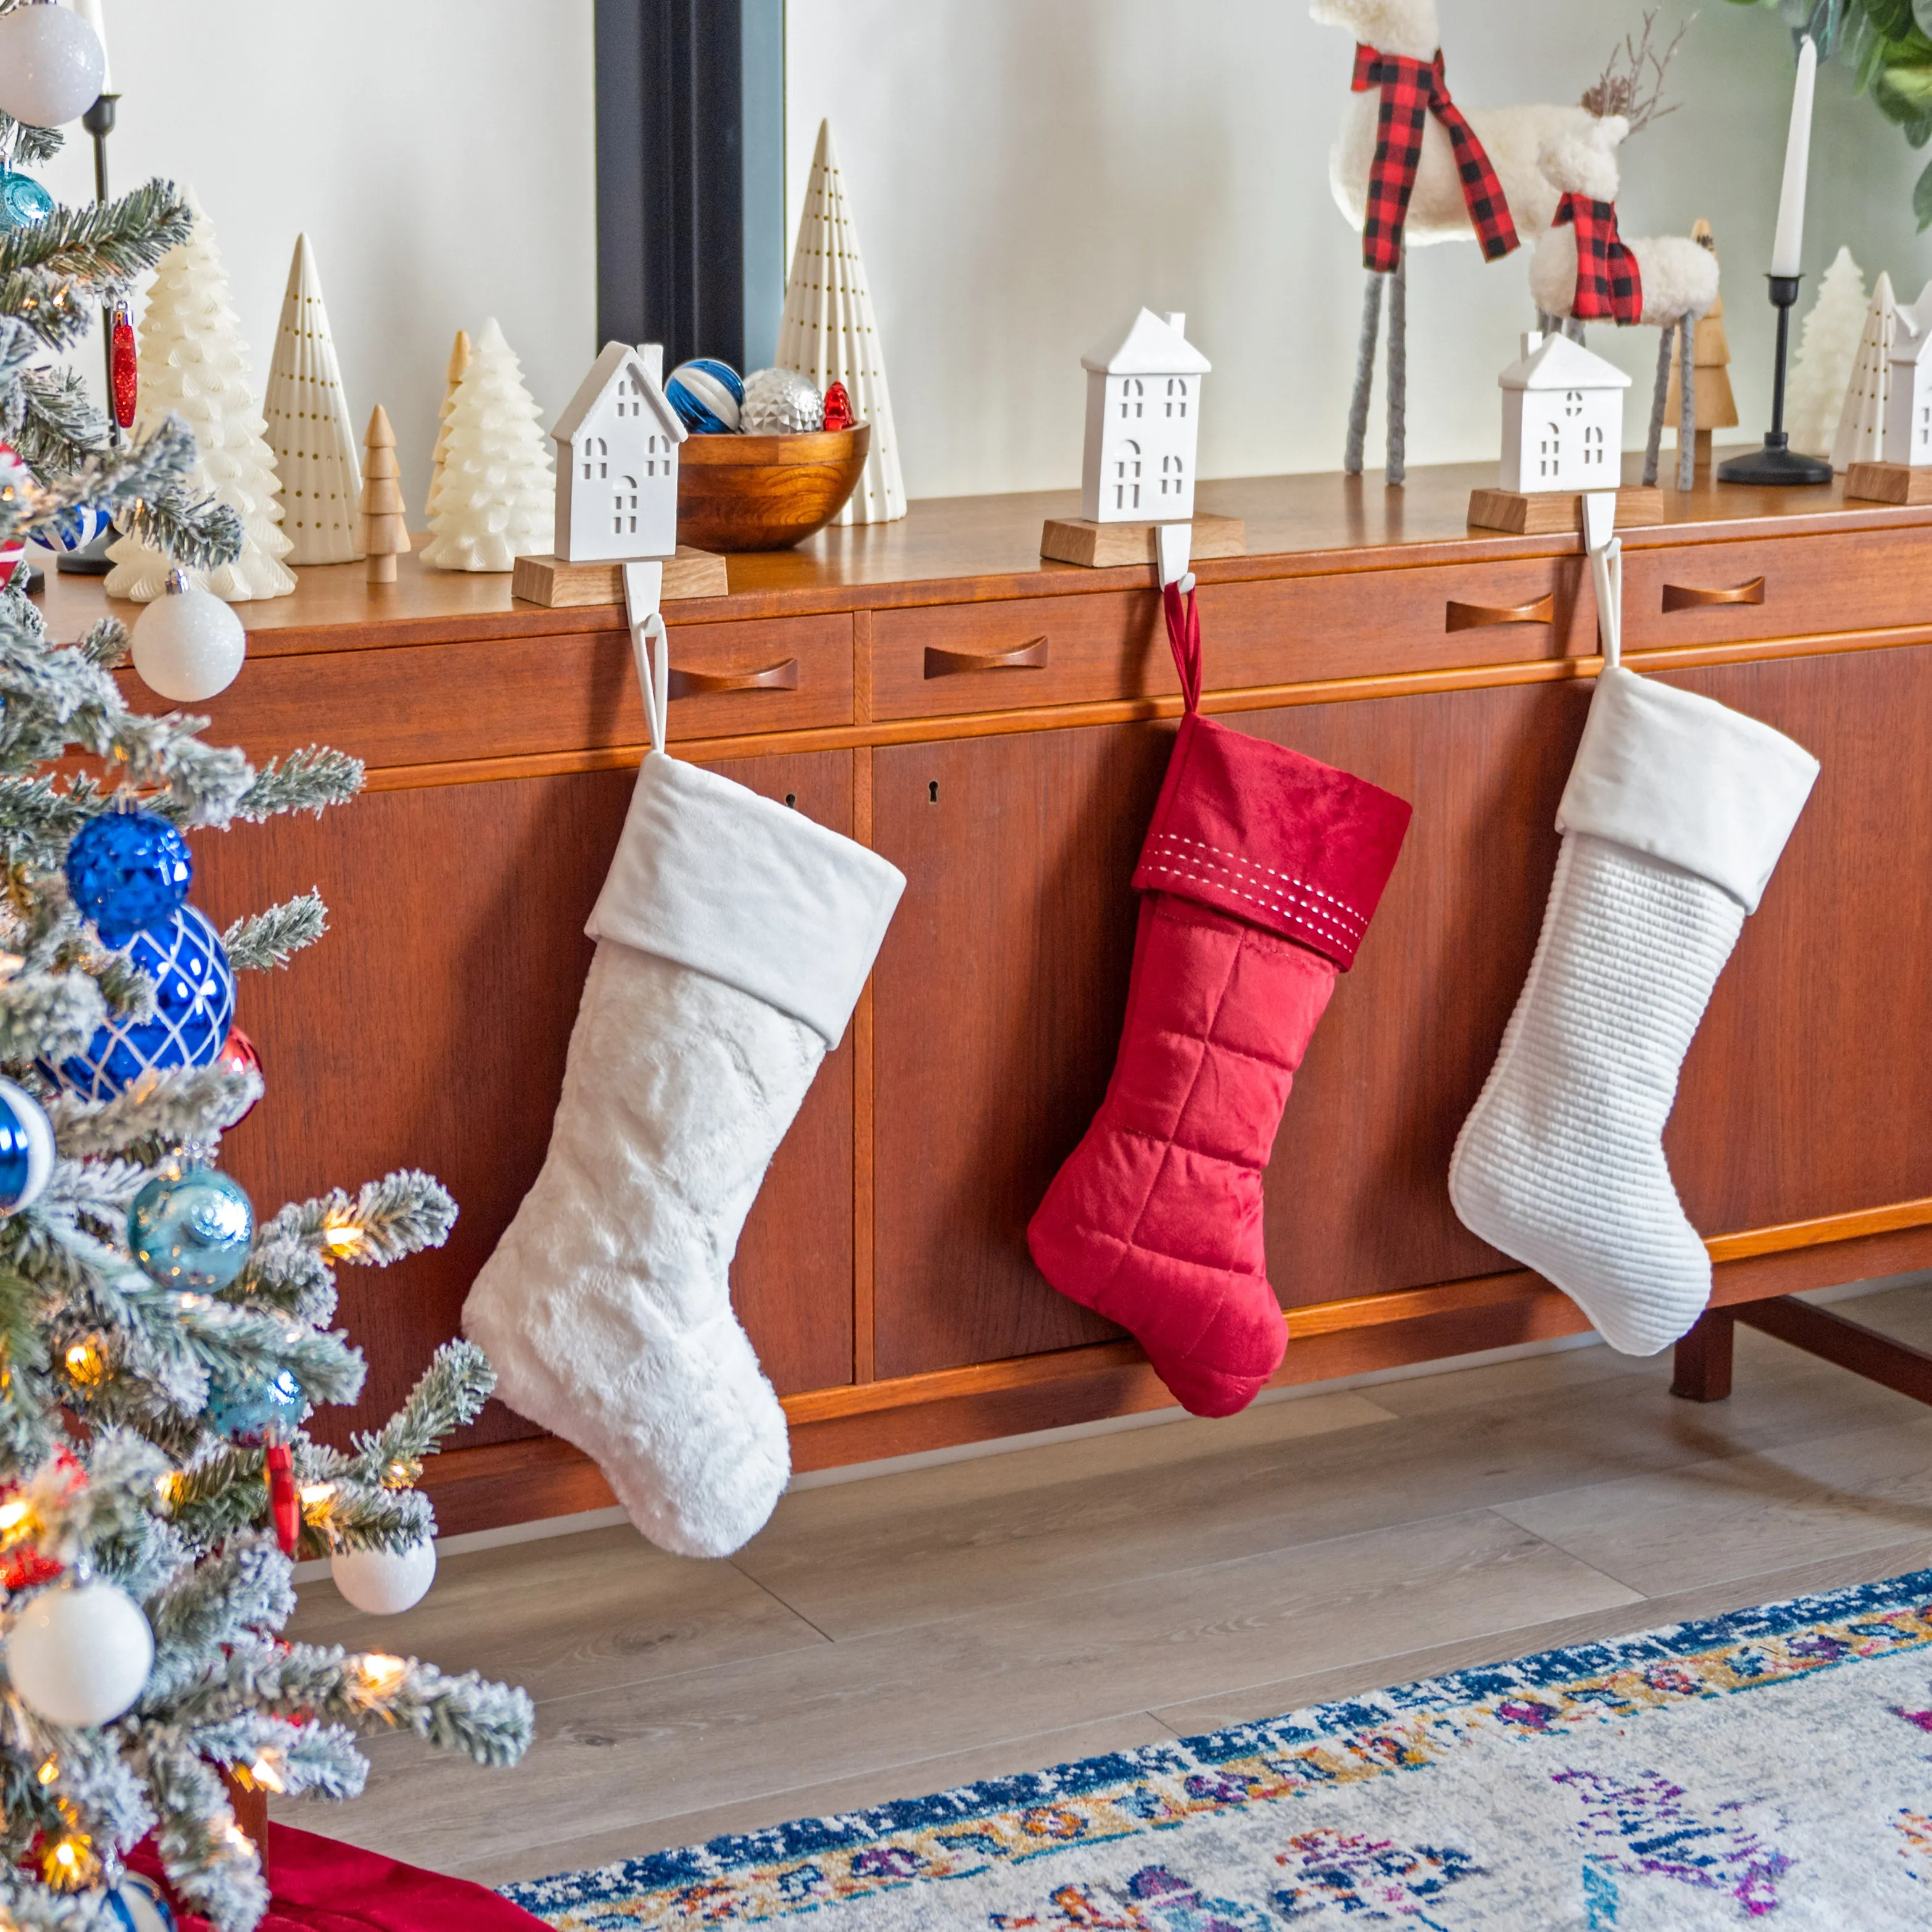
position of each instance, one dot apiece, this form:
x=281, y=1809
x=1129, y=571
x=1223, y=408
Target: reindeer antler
x=1633, y=81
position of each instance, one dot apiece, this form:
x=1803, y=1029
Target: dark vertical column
x=670, y=176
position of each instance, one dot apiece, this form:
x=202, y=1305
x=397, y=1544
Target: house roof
x=1558, y=363
x=1914, y=333
x=1148, y=346
x=617, y=357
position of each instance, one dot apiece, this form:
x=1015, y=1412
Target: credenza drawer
x=512, y=696
x=1792, y=586
x=1017, y=652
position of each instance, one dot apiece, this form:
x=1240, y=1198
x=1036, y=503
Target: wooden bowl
x=765, y=492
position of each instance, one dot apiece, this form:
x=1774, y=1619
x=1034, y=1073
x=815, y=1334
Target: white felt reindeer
x=1409, y=166
x=1583, y=270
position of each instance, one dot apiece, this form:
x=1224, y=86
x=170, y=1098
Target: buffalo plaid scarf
x=1608, y=286
x=1412, y=89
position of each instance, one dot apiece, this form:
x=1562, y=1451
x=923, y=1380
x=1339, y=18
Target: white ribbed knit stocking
x=1675, y=813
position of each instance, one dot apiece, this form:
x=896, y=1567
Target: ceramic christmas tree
x=1717, y=407
x=309, y=426
x=459, y=361
x=194, y=365
x=1822, y=372
x=1861, y=436
x=384, y=535
x=499, y=494
x=829, y=332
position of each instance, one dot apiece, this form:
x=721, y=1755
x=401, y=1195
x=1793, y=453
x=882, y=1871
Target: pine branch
x=450, y=1392
x=320, y=1760
x=48, y=1016
x=389, y=1218
x=245, y=1586
x=266, y=940
x=287, y=1275
x=185, y=1104
x=307, y=781
x=102, y=242
x=31, y=146
x=209, y=1861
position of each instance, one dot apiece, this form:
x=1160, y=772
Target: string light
x=13, y=1515
x=342, y=1238
x=318, y=1495
x=238, y=1838
x=49, y=1771
x=382, y=1676
x=403, y=1474
x=173, y=1488
x=86, y=1364
x=70, y=1863
x=262, y=1772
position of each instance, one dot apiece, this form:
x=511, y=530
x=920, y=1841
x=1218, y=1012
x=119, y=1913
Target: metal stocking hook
x=1606, y=569
x=643, y=586
x=1174, y=543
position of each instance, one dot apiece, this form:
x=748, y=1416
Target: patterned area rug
x=1773, y=1765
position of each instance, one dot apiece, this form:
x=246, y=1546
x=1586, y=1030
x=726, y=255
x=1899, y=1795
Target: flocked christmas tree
x=1822, y=372
x=309, y=426
x=158, y=1348
x=194, y=365
x=497, y=498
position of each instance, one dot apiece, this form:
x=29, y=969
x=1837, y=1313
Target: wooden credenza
x=883, y=1274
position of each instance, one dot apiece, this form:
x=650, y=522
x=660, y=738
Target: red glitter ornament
x=238, y=1055
x=838, y=407
x=126, y=369
x=278, y=1465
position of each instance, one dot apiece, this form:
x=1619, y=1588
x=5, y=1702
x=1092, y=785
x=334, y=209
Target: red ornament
x=126, y=369
x=838, y=407
x=238, y=1055
x=284, y=1504
x=14, y=478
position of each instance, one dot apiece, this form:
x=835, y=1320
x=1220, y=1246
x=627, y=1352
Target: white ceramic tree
x=194, y=365
x=1822, y=372
x=1860, y=437
x=309, y=426
x=459, y=361
x=829, y=334
x=498, y=497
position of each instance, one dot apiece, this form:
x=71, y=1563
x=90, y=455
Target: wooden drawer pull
x=1474, y=617
x=696, y=683
x=1688, y=597
x=1022, y=657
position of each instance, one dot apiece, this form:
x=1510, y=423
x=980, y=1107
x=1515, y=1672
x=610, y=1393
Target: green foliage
x=1888, y=43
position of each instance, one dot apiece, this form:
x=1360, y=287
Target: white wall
x=439, y=152
x=1025, y=173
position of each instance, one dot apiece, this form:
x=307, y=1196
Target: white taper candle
x=90, y=11
x=1788, y=249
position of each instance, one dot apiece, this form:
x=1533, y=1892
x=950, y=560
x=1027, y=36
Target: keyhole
x=791, y=799
x=932, y=791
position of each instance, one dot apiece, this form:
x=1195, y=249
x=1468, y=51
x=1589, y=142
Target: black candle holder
x=1778, y=462
x=92, y=561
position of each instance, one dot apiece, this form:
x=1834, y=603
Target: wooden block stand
x=1889, y=483
x=1554, y=513
x=1106, y=546
x=548, y=581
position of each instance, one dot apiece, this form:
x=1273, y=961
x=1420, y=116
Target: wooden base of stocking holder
x=1889, y=482
x=1552, y=513
x=550, y=581
x=1107, y=546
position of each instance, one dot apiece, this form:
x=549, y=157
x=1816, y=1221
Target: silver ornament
x=780, y=402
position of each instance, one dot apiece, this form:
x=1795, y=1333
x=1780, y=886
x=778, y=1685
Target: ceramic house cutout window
x=624, y=512
x=1171, y=479
x=617, y=495
x=657, y=455
x=1177, y=395
x=1131, y=393
x=596, y=457
x=1141, y=423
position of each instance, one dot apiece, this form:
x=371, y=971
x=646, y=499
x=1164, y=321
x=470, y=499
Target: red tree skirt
x=318, y=1885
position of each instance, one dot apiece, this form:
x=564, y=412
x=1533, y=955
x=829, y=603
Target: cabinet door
x=430, y=1028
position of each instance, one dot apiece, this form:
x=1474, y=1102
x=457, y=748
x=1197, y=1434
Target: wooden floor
x=890, y=1637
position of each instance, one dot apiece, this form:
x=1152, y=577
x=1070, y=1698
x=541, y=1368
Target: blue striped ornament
x=707, y=396
x=137, y=1904
x=73, y=529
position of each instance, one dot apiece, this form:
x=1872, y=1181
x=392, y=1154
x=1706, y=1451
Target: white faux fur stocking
x=1675, y=813
x=733, y=937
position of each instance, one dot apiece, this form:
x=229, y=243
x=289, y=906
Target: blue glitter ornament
x=72, y=529
x=191, y=1230
x=194, y=1006
x=24, y=203
x=246, y=1409
x=707, y=395
x=128, y=871
x=26, y=1148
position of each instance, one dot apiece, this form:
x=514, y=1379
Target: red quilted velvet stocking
x=1260, y=873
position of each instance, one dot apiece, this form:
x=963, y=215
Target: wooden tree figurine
x=384, y=535
x=459, y=361
x=1716, y=407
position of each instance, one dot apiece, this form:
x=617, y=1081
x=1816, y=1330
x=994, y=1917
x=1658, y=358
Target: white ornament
x=52, y=65
x=497, y=499
x=829, y=334
x=80, y=1654
x=188, y=645
x=309, y=427
x=381, y=1582
x=137, y=1904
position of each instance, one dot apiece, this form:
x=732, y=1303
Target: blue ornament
x=707, y=395
x=246, y=1409
x=24, y=203
x=73, y=528
x=194, y=1006
x=191, y=1230
x=26, y=1148
x=138, y=1904
x=126, y=871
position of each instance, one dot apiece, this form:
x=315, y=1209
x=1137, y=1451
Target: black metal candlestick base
x=1776, y=463
x=93, y=561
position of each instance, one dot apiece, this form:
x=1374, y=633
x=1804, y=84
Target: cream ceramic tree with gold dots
x=309, y=426
x=828, y=331
x=459, y=361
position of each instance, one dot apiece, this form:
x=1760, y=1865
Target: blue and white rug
x=1773, y=1765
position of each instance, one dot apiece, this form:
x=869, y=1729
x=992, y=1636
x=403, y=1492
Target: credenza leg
x=1819, y=1331
x=1702, y=1368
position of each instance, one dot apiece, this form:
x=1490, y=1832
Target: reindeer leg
x=1398, y=370
x=1661, y=395
x=1573, y=329
x=1686, y=418
x=1365, y=373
